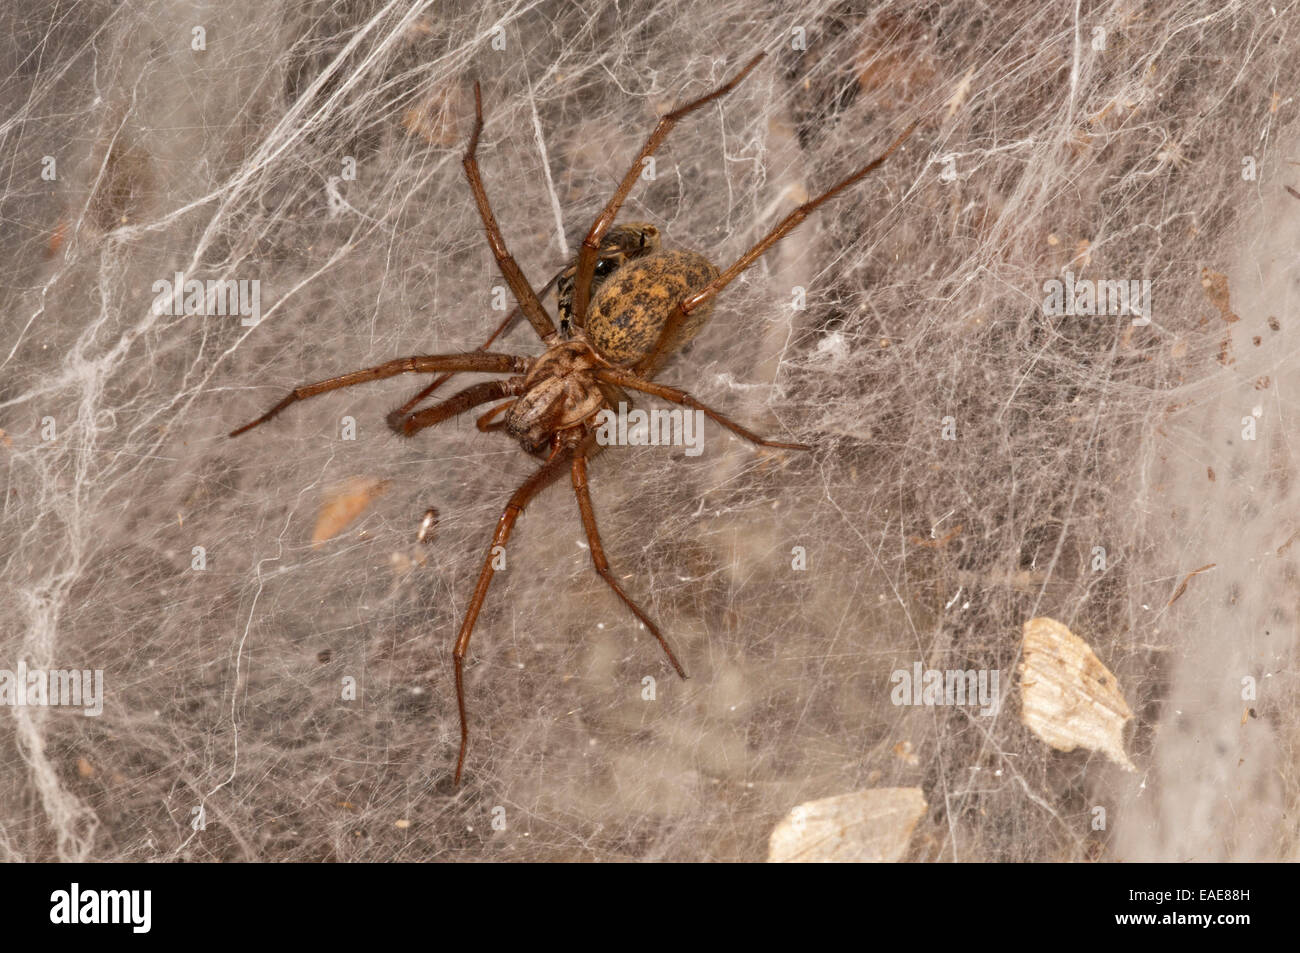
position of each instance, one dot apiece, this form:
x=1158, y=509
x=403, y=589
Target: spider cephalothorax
x=559, y=392
x=624, y=305
x=639, y=285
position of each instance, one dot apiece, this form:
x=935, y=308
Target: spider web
x=315, y=148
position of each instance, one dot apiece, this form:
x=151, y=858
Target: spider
x=625, y=305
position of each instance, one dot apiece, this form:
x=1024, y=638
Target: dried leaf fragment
x=871, y=826
x=344, y=505
x=1082, y=253
x=896, y=61
x=1068, y=698
x=1216, y=289
x=939, y=543
x=56, y=237
x=123, y=182
x=906, y=753
x=962, y=91
x=438, y=117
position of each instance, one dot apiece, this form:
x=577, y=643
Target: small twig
x=1182, y=586
x=427, y=526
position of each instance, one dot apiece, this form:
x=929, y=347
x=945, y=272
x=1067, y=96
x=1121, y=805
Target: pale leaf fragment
x=345, y=504
x=963, y=90
x=1068, y=698
x=871, y=826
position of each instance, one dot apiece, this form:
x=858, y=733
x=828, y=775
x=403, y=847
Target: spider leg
x=591, y=244
x=541, y=478
x=441, y=379
x=602, y=564
x=523, y=291
x=407, y=425
x=502, y=328
x=676, y=396
x=484, y=361
x=651, y=361
x=484, y=423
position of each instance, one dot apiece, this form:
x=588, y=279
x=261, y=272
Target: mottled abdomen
x=630, y=309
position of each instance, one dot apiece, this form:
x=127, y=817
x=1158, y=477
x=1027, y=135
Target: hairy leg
x=502, y=328
x=519, y=286
x=487, y=423
x=649, y=364
x=542, y=477
x=583, y=494
x=633, y=382
x=483, y=361
x=407, y=425
x=590, y=250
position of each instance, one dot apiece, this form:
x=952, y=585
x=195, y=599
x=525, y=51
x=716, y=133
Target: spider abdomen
x=629, y=311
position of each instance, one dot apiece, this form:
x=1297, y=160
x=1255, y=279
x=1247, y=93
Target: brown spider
x=625, y=305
